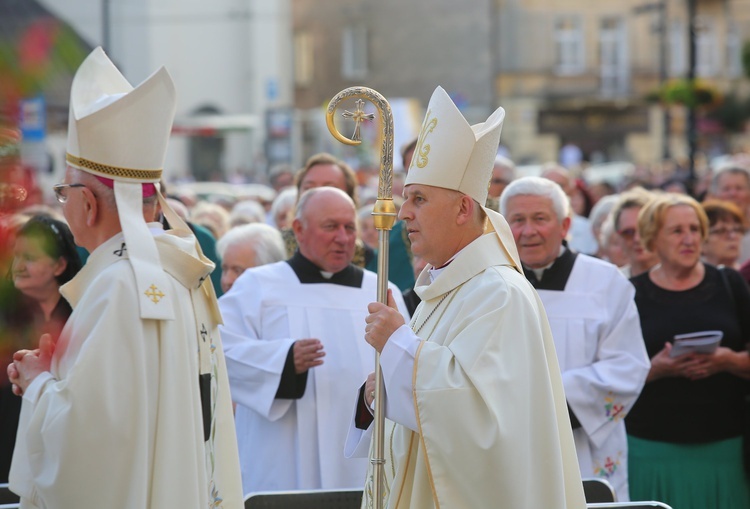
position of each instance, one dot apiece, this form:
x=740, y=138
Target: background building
x=230, y=60
x=572, y=71
x=582, y=71
x=253, y=76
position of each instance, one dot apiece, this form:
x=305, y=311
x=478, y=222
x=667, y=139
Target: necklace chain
x=416, y=331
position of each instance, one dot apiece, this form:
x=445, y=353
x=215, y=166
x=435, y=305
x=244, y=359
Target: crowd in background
x=645, y=223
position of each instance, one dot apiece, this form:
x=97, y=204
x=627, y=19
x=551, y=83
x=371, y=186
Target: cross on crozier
x=358, y=116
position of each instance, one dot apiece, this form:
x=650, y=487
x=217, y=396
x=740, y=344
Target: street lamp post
x=692, y=135
x=660, y=7
x=666, y=154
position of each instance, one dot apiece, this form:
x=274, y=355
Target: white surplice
x=603, y=360
x=288, y=444
x=117, y=422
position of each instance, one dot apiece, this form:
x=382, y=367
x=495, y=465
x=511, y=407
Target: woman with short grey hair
x=245, y=246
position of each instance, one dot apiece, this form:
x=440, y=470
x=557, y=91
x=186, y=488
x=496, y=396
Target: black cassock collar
x=556, y=276
x=309, y=273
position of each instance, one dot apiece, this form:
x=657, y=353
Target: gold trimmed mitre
x=117, y=131
x=121, y=133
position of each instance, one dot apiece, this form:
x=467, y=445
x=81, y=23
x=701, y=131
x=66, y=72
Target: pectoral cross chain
x=358, y=116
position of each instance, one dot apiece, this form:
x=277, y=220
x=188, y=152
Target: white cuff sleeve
x=357, y=443
x=35, y=388
x=397, y=364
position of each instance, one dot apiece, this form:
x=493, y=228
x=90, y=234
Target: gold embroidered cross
x=154, y=294
x=358, y=116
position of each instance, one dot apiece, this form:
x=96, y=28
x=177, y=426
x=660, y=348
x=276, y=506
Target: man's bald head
x=325, y=225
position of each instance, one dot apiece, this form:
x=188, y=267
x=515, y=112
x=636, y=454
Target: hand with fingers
x=307, y=353
x=370, y=389
x=708, y=364
x=28, y=364
x=382, y=322
x=664, y=365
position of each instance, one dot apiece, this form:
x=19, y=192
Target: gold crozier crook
x=384, y=215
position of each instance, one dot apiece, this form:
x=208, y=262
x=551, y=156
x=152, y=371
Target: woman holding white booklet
x=685, y=431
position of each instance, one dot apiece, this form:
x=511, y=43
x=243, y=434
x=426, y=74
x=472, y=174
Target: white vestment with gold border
x=117, y=422
x=492, y=424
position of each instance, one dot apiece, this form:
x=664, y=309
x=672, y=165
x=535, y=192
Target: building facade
x=582, y=72
x=401, y=49
x=566, y=71
x=231, y=61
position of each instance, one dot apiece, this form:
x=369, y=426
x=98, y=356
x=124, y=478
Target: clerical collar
x=540, y=270
x=156, y=228
x=309, y=273
x=554, y=276
x=435, y=272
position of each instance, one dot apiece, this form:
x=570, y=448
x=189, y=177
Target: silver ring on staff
x=372, y=394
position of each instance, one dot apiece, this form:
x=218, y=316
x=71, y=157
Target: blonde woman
x=685, y=431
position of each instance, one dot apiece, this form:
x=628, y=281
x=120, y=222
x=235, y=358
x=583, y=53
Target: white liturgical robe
x=603, y=360
x=117, y=422
x=288, y=444
x=492, y=428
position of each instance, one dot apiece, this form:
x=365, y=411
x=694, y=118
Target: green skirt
x=689, y=476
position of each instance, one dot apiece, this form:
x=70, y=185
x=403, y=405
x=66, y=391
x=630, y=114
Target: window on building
x=569, y=50
x=707, y=57
x=613, y=57
x=678, y=57
x=734, y=52
x=303, y=59
x=354, y=52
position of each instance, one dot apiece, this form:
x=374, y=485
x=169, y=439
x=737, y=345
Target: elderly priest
x=594, y=322
x=293, y=338
x=132, y=408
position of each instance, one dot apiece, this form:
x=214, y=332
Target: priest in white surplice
x=594, y=322
x=474, y=403
x=293, y=340
x=132, y=408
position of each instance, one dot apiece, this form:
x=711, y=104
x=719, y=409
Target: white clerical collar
x=434, y=273
x=538, y=272
x=156, y=228
x=326, y=275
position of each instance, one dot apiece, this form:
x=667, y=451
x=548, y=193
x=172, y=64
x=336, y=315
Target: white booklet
x=700, y=342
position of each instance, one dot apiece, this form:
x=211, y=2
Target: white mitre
x=121, y=133
x=452, y=154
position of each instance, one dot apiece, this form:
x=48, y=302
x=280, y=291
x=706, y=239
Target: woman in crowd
x=44, y=258
x=282, y=209
x=246, y=246
x=685, y=431
x=726, y=226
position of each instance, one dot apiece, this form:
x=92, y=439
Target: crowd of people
x=487, y=272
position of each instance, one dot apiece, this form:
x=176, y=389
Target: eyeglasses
x=499, y=181
x=59, y=194
x=627, y=233
x=726, y=232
